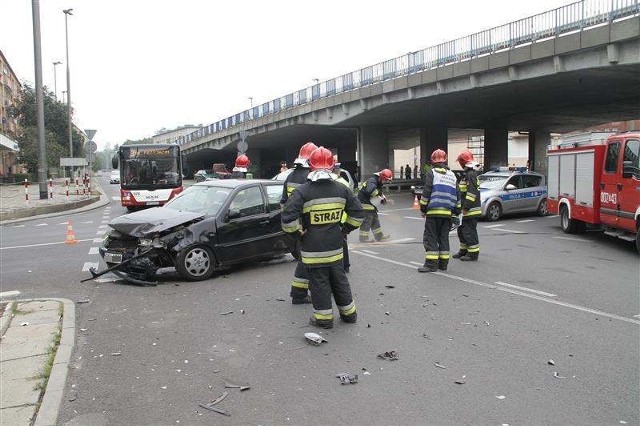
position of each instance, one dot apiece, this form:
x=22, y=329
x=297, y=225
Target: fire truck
x=597, y=184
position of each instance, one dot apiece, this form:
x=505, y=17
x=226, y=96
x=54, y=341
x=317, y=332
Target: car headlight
x=155, y=243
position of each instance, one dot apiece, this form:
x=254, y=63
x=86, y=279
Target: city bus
x=150, y=175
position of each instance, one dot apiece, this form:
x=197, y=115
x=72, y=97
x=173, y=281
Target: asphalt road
x=537, y=297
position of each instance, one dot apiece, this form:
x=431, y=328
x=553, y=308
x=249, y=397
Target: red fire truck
x=597, y=184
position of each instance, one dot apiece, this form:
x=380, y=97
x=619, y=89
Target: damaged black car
x=210, y=226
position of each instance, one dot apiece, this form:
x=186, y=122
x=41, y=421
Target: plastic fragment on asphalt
x=83, y=301
x=24, y=324
x=389, y=356
x=390, y=286
x=218, y=399
x=217, y=410
x=233, y=385
x=314, y=338
x=461, y=381
x=557, y=376
x=437, y=364
x=116, y=354
x=500, y=396
x=551, y=362
x=280, y=299
x=226, y=313
x=347, y=378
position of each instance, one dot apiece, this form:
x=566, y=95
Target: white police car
x=504, y=192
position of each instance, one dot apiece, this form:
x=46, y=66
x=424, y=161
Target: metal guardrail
x=563, y=20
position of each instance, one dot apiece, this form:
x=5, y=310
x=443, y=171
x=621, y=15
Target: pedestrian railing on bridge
x=554, y=23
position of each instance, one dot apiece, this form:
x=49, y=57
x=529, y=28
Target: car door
x=629, y=188
x=534, y=192
x=244, y=230
x=512, y=198
x=609, y=183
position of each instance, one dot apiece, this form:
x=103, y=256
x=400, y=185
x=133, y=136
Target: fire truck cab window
x=632, y=153
x=611, y=162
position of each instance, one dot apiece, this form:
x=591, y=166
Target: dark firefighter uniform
x=439, y=201
x=471, y=211
x=316, y=208
x=367, y=190
x=300, y=283
x=237, y=175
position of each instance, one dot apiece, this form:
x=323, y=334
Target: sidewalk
x=38, y=337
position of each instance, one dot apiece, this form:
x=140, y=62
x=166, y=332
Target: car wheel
x=638, y=239
x=542, y=208
x=494, y=211
x=569, y=226
x=195, y=263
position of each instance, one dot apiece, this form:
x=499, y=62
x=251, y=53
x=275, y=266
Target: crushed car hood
x=150, y=221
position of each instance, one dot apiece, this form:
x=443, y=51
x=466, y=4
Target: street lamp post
x=55, y=80
x=67, y=12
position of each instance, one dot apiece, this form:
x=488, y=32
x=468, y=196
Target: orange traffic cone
x=416, y=206
x=71, y=235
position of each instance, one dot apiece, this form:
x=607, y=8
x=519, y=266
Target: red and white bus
x=150, y=175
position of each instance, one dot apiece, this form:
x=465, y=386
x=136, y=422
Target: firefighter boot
x=469, y=257
x=301, y=300
x=322, y=323
x=459, y=254
x=351, y=319
x=429, y=266
x=442, y=264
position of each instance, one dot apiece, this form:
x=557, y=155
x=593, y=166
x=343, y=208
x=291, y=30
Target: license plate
x=153, y=203
x=113, y=257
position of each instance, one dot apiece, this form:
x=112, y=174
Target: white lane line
x=526, y=289
x=103, y=226
x=525, y=220
x=93, y=250
x=42, y=224
x=369, y=251
x=413, y=218
x=9, y=294
x=97, y=240
x=508, y=290
x=509, y=230
x=115, y=198
x=100, y=232
x=63, y=223
x=39, y=245
x=552, y=216
x=572, y=239
x=416, y=263
x=88, y=265
x=401, y=240
x=88, y=221
x=18, y=226
x=493, y=226
x=105, y=221
x=636, y=316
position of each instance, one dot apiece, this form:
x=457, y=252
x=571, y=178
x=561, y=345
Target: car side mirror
x=233, y=214
x=510, y=187
x=627, y=169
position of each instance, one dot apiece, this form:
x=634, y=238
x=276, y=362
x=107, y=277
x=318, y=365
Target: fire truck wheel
x=638, y=239
x=494, y=211
x=195, y=263
x=569, y=226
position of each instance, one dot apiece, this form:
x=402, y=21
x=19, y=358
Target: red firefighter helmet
x=321, y=158
x=306, y=150
x=243, y=161
x=385, y=174
x=438, y=156
x=465, y=158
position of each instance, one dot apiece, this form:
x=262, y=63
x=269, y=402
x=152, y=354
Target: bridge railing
x=553, y=23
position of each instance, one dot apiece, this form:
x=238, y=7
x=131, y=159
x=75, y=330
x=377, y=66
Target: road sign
x=90, y=133
x=92, y=147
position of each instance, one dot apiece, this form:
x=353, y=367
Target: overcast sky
x=139, y=66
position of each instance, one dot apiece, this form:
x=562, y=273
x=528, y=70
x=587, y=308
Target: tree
x=56, y=129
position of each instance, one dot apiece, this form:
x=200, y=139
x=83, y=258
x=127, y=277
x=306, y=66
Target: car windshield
x=492, y=181
x=200, y=199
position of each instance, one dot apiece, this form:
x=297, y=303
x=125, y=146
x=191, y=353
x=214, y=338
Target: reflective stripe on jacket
x=470, y=193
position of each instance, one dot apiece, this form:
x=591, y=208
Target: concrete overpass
x=558, y=71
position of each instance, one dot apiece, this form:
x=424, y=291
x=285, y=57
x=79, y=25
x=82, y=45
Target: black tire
x=195, y=263
x=494, y=212
x=638, y=239
x=569, y=226
x=131, y=209
x=542, y=208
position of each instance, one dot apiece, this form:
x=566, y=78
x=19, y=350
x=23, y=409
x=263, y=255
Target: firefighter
x=240, y=169
x=300, y=285
x=369, y=189
x=345, y=244
x=439, y=201
x=313, y=212
x=471, y=210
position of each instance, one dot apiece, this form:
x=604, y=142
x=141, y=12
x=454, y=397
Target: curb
x=6, y=318
x=49, y=410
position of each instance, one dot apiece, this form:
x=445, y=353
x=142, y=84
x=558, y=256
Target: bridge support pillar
x=496, y=148
x=432, y=138
x=373, y=150
x=538, y=142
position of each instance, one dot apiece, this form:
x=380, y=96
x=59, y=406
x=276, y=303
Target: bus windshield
x=150, y=167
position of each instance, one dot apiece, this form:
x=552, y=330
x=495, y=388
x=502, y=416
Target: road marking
x=63, y=223
x=572, y=239
x=412, y=217
x=93, y=250
x=39, y=245
x=416, y=263
x=105, y=220
x=525, y=221
x=87, y=221
x=41, y=224
x=18, y=226
x=509, y=230
x=369, y=251
x=9, y=294
x=102, y=226
x=526, y=289
x=88, y=265
x=552, y=216
x=508, y=290
x=100, y=232
x=401, y=240
x=493, y=226
x=115, y=198
x=97, y=240
x=636, y=316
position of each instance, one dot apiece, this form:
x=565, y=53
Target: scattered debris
x=500, y=396
x=24, y=324
x=558, y=376
x=242, y=311
x=218, y=399
x=314, y=338
x=83, y=301
x=461, y=381
x=551, y=362
x=390, y=286
x=232, y=385
x=437, y=364
x=226, y=313
x=116, y=354
x=217, y=410
x=390, y=355
x=91, y=319
x=426, y=336
x=280, y=299
x=347, y=378
x=368, y=325
x=387, y=313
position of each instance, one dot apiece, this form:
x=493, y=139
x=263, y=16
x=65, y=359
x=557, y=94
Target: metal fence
x=563, y=20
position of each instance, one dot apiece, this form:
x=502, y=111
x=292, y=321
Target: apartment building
x=9, y=93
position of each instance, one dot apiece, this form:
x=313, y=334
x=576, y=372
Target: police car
x=504, y=192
